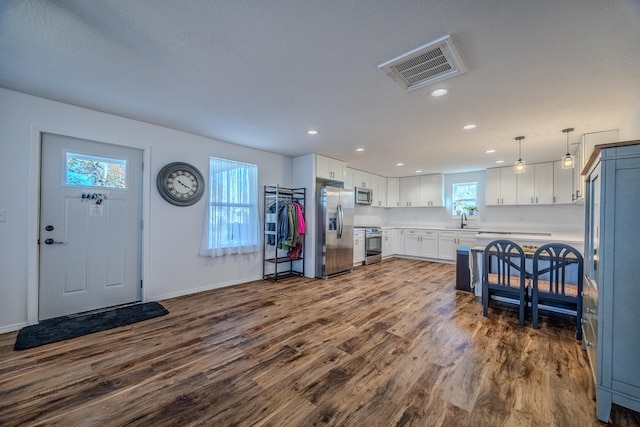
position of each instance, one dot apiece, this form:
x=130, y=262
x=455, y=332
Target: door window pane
x=91, y=171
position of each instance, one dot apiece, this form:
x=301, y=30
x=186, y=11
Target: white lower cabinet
x=387, y=243
x=421, y=243
x=450, y=241
x=398, y=241
x=358, y=247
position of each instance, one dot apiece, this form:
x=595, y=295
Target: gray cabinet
x=612, y=284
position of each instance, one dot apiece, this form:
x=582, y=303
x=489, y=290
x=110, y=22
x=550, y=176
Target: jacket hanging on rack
x=290, y=225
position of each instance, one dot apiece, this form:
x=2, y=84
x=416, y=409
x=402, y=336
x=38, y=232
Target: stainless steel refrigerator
x=334, y=253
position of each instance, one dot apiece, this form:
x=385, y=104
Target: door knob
x=51, y=242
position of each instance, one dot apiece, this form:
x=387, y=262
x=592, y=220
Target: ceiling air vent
x=426, y=65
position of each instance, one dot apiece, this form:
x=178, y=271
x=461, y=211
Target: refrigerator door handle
x=340, y=219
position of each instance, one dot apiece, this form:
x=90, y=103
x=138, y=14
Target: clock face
x=180, y=184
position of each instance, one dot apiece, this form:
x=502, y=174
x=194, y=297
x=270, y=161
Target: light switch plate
x=3, y=215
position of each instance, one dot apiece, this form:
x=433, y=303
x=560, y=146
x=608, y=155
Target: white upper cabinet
x=562, y=184
x=535, y=186
x=379, y=187
x=501, y=186
x=348, y=179
x=361, y=179
x=330, y=169
x=410, y=191
x=432, y=190
x=393, y=192
x=578, y=180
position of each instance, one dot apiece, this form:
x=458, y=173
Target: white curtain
x=232, y=221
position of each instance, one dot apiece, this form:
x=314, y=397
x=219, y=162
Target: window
x=465, y=198
x=232, y=220
x=91, y=171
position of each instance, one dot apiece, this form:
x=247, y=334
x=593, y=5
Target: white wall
x=630, y=129
x=172, y=234
x=553, y=218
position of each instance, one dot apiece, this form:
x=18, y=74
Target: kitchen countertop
x=493, y=233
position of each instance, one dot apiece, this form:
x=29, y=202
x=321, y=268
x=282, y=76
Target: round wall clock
x=180, y=184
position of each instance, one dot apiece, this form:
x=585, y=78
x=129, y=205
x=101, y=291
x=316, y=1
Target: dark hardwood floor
x=392, y=344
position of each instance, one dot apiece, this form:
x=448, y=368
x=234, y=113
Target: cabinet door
x=508, y=186
x=393, y=192
x=562, y=184
x=437, y=190
x=330, y=169
x=409, y=191
x=348, y=179
x=526, y=186
x=323, y=167
x=432, y=190
x=578, y=180
x=424, y=190
x=429, y=244
x=358, y=247
x=492, y=187
x=466, y=239
x=543, y=185
x=387, y=243
x=447, y=244
x=398, y=241
x=412, y=242
x=339, y=170
x=362, y=179
x=379, y=190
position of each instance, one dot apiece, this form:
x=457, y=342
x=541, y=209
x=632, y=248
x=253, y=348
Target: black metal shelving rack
x=276, y=262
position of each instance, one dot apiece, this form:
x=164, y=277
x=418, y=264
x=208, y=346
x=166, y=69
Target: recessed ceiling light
x=418, y=171
x=439, y=92
x=469, y=126
x=359, y=149
x=499, y=161
x=312, y=132
x=399, y=164
x=490, y=151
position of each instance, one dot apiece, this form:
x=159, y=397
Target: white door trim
x=33, y=222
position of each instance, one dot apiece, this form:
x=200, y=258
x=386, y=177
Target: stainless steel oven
x=373, y=244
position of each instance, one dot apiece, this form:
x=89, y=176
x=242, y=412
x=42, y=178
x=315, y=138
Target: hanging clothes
x=290, y=226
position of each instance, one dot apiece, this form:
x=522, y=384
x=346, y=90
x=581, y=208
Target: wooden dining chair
x=557, y=281
x=504, y=275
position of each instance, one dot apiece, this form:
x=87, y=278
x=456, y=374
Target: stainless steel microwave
x=364, y=196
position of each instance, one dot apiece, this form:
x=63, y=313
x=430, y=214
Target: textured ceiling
x=260, y=73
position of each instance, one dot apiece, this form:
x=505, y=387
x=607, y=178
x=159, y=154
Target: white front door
x=90, y=226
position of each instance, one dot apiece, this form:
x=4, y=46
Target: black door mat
x=67, y=327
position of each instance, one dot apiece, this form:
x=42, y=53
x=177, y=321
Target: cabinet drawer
x=591, y=344
x=590, y=301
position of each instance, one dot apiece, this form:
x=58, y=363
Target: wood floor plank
x=391, y=344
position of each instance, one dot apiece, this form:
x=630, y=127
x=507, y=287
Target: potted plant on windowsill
x=471, y=210
x=457, y=207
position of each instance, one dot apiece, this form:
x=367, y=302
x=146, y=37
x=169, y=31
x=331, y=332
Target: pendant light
x=567, y=160
x=520, y=166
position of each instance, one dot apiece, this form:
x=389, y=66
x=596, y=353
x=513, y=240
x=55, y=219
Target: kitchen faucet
x=463, y=218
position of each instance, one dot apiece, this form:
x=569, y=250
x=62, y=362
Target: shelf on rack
x=276, y=261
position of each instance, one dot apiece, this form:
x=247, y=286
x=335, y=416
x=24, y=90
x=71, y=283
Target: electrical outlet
x=3, y=215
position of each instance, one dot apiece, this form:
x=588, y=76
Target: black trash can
x=463, y=278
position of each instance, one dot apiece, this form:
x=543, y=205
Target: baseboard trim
x=12, y=328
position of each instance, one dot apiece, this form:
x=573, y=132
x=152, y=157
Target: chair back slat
x=554, y=267
x=503, y=274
